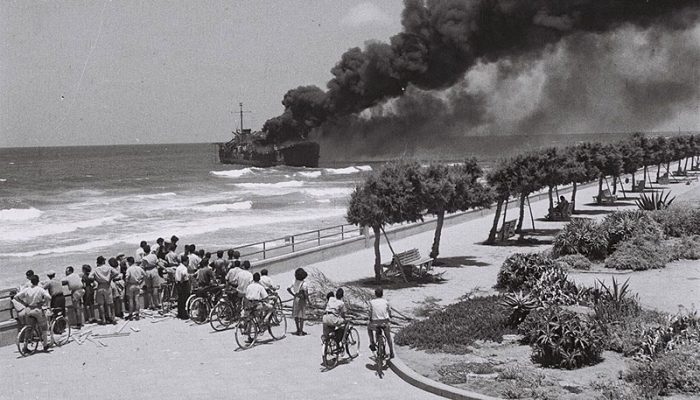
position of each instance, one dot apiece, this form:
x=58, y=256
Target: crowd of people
x=121, y=287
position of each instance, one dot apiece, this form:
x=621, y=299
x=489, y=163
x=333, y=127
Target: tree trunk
x=377, y=255
x=685, y=165
x=551, y=200
x=634, y=183
x=658, y=172
x=573, y=198
x=614, y=184
x=494, y=227
x=519, y=229
x=600, y=190
x=645, y=172
x=679, y=164
x=668, y=168
x=438, y=230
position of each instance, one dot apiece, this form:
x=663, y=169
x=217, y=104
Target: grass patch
x=457, y=326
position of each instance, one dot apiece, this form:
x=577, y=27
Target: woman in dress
x=301, y=294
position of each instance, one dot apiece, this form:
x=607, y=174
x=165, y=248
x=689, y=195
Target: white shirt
x=194, y=262
x=335, y=307
x=243, y=279
x=379, y=309
x=232, y=274
x=267, y=283
x=181, y=274
x=255, y=291
x=172, y=259
x=138, y=257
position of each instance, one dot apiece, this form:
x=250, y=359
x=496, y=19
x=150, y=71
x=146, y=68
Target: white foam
x=241, y=205
x=347, y=170
x=323, y=201
x=285, y=184
x=25, y=233
x=328, y=192
x=19, y=214
x=3, y=180
x=309, y=174
x=154, y=196
x=235, y=173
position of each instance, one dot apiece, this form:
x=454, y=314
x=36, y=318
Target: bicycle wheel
x=246, y=333
x=166, y=299
x=221, y=316
x=28, y=340
x=190, y=299
x=330, y=353
x=381, y=355
x=199, y=311
x=60, y=331
x=352, y=343
x=277, y=324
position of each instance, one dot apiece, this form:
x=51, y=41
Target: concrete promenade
x=175, y=359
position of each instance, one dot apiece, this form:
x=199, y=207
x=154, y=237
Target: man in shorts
x=135, y=276
x=34, y=298
x=77, y=291
x=55, y=288
x=104, y=275
x=151, y=281
x=380, y=318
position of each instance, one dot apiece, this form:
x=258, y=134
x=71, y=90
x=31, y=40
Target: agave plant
x=656, y=201
x=520, y=306
x=615, y=293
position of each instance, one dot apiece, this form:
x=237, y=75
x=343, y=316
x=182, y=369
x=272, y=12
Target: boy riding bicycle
x=34, y=298
x=334, y=316
x=380, y=318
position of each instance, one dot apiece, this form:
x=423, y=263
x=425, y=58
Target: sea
x=63, y=206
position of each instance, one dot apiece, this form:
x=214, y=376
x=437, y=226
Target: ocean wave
x=309, y=174
x=347, y=170
x=26, y=233
x=235, y=173
x=3, y=180
x=328, y=192
x=19, y=214
x=154, y=196
x=285, y=184
x=241, y=205
x=323, y=200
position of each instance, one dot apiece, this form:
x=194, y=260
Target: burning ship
x=255, y=149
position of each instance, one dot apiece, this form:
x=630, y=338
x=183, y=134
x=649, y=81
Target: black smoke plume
x=444, y=39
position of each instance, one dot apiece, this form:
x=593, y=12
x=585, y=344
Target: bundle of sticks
x=356, y=300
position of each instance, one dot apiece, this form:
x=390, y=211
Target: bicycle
x=29, y=336
x=349, y=344
x=168, y=297
x=251, y=324
x=226, y=311
x=200, y=307
x=380, y=354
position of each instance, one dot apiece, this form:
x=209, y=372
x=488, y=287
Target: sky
x=126, y=72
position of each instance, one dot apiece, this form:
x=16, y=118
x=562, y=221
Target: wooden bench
x=606, y=197
x=556, y=215
x=639, y=186
x=507, y=230
x=408, y=260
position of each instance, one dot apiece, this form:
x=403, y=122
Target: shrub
x=613, y=390
x=561, y=339
x=623, y=225
x=680, y=329
x=686, y=248
x=581, y=236
x=519, y=271
x=519, y=305
x=554, y=288
x=679, y=220
x=573, y=261
x=675, y=371
x=639, y=253
x=458, y=326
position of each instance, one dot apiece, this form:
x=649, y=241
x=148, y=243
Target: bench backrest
x=508, y=229
x=408, y=256
x=606, y=193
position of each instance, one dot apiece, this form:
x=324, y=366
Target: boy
x=104, y=275
x=55, y=288
x=380, y=318
x=77, y=291
x=135, y=277
x=34, y=298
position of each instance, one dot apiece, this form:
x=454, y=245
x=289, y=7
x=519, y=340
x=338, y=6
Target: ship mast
x=240, y=108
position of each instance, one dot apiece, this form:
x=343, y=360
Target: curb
x=429, y=385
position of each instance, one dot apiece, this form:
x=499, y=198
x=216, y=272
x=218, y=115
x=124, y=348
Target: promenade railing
x=297, y=242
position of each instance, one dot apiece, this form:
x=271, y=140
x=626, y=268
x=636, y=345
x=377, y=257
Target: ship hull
x=302, y=154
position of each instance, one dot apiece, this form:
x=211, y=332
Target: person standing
x=117, y=286
x=89, y=297
x=182, y=284
x=134, y=277
x=151, y=281
x=243, y=278
x=141, y=252
x=219, y=266
x=77, y=291
x=104, y=275
x=171, y=257
x=300, y=292
x=55, y=288
x=194, y=260
x=34, y=298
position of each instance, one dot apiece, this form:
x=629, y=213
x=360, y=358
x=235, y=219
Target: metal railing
x=297, y=242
